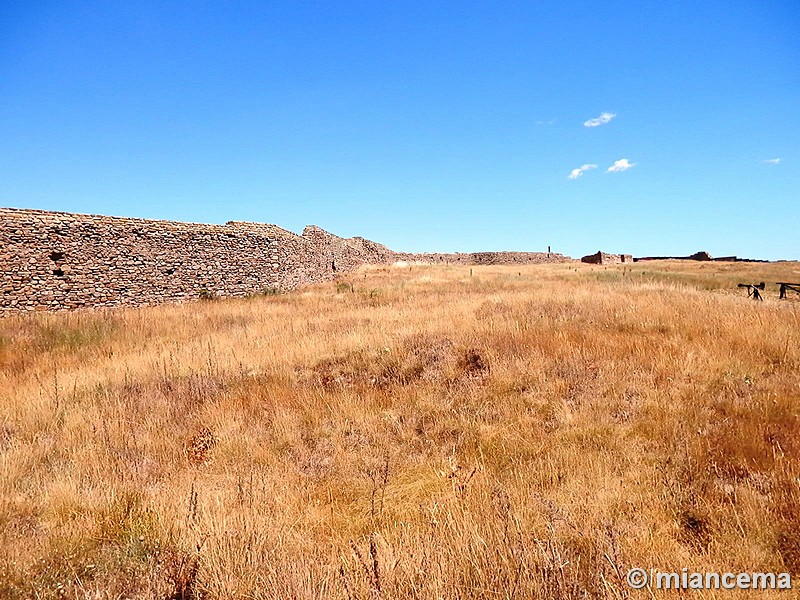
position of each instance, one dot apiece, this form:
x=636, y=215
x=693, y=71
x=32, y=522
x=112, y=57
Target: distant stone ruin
x=604, y=258
x=57, y=261
x=701, y=256
x=483, y=258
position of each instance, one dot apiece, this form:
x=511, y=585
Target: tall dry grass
x=523, y=432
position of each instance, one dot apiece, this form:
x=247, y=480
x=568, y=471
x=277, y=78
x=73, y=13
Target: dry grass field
x=407, y=432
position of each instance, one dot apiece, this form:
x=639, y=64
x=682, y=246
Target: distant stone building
x=604, y=258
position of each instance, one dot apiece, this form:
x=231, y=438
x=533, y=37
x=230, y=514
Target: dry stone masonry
x=604, y=258
x=55, y=261
x=60, y=260
x=484, y=258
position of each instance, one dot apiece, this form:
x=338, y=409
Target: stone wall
x=331, y=254
x=604, y=258
x=700, y=256
x=484, y=258
x=54, y=261
x=61, y=260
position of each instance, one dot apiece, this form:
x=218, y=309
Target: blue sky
x=446, y=126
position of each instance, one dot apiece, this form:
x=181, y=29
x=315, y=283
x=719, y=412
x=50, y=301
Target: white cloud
x=623, y=164
x=772, y=161
x=548, y=122
x=601, y=120
x=580, y=170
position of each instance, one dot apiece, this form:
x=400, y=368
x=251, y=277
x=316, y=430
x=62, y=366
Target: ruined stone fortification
x=61, y=260
x=604, y=258
x=53, y=261
x=484, y=258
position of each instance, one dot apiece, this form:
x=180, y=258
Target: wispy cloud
x=772, y=161
x=580, y=171
x=601, y=120
x=623, y=164
x=548, y=122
